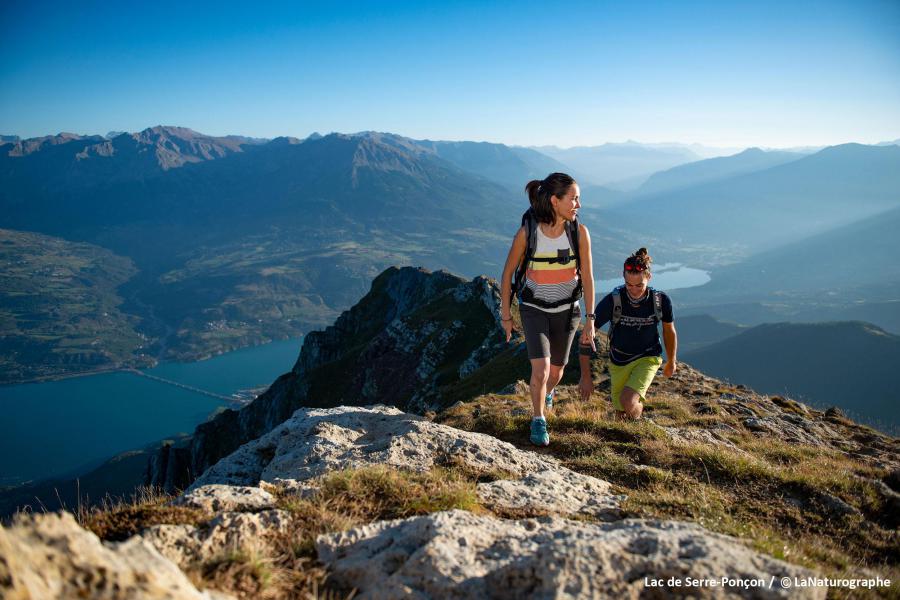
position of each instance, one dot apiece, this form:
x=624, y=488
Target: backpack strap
x=617, y=306
x=657, y=305
x=530, y=225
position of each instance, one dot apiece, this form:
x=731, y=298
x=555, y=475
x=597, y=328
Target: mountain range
x=258, y=241
x=254, y=240
x=759, y=210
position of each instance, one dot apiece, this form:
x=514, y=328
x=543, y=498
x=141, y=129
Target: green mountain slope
x=59, y=309
x=844, y=364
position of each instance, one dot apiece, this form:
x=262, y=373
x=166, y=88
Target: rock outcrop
x=50, y=556
x=456, y=554
x=315, y=442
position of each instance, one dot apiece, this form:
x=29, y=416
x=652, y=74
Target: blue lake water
x=666, y=278
x=53, y=428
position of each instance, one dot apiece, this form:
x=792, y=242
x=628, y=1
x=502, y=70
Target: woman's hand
x=507, y=327
x=587, y=335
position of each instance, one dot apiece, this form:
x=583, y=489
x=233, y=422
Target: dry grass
x=778, y=496
x=285, y=565
x=147, y=507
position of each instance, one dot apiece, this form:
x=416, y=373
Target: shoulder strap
x=530, y=225
x=617, y=305
x=572, y=230
x=657, y=305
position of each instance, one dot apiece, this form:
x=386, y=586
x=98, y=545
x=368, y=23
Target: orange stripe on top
x=548, y=277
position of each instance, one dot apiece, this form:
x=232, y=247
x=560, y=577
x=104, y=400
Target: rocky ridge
x=567, y=539
x=414, y=335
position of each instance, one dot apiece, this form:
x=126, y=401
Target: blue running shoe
x=539, y=435
x=548, y=400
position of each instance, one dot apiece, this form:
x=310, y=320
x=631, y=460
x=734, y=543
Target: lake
x=666, y=278
x=60, y=427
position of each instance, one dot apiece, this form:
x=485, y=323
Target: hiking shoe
x=548, y=400
x=539, y=435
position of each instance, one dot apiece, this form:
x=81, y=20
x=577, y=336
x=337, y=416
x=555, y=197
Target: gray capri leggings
x=547, y=333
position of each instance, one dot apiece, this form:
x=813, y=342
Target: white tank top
x=552, y=282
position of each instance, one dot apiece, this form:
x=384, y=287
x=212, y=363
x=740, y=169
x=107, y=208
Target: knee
x=556, y=372
x=540, y=374
x=631, y=404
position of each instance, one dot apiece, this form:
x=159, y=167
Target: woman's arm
x=513, y=259
x=587, y=281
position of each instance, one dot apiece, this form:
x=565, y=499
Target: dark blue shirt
x=636, y=334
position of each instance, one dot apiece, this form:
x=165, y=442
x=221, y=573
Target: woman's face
x=567, y=206
x=636, y=283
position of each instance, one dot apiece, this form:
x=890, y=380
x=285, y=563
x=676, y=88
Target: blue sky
x=722, y=73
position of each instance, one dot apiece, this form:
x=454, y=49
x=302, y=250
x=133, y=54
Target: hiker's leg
x=540, y=373
x=630, y=400
x=556, y=373
x=641, y=376
x=562, y=332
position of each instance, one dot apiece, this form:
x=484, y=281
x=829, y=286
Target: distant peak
x=171, y=130
x=285, y=140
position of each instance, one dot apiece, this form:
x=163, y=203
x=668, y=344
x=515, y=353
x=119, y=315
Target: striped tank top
x=554, y=281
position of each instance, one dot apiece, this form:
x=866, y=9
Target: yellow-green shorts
x=638, y=375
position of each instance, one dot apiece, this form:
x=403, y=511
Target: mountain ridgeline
x=409, y=342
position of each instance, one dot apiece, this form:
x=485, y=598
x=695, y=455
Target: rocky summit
x=539, y=530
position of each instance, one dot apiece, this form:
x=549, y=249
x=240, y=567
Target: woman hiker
x=551, y=260
x=633, y=311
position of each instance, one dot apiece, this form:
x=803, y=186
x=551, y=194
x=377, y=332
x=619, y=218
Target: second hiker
x=633, y=311
x=551, y=260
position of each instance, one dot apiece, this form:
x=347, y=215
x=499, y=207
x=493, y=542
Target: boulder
x=188, y=546
x=49, y=556
x=456, y=554
x=227, y=498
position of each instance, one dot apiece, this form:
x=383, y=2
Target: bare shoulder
x=584, y=238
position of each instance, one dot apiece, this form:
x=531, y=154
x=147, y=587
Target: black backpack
x=519, y=289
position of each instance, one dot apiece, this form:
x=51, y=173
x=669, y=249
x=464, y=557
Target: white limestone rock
x=459, y=555
x=316, y=441
x=227, y=498
x=49, y=556
x=557, y=492
x=188, y=546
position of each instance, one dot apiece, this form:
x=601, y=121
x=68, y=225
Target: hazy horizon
x=737, y=147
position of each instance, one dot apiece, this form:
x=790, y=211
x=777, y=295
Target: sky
x=748, y=73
